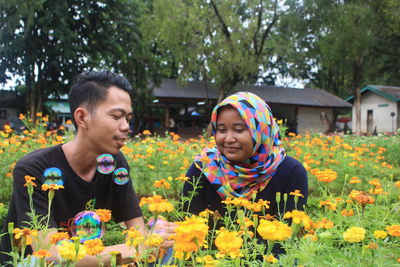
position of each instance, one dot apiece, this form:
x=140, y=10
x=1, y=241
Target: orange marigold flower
x=42, y=253
x=375, y=182
x=355, y=180
x=57, y=237
x=162, y=184
x=376, y=191
x=347, y=212
x=329, y=204
x=93, y=246
x=51, y=187
x=104, y=214
x=324, y=223
x=372, y=245
x=29, y=180
x=326, y=176
x=296, y=193
x=397, y=184
x=146, y=132
x=26, y=234
x=393, y=230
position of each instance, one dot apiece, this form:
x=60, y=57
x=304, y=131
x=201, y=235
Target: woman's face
x=232, y=136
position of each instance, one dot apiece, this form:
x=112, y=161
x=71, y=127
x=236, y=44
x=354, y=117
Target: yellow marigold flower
x=393, y=230
x=355, y=180
x=104, y=214
x=162, y=184
x=189, y=236
x=22, y=116
x=51, y=187
x=26, y=234
x=29, y=180
x=93, y=246
x=380, y=234
x=133, y=237
x=146, y=132
x=274, y=230
x=66, y=249
x=270, y=258
x=205, y=213
x=299, y=217
x=347, y=213
x=38, y=114
x=45, y=119
x=57, y=237
x=154, y=240
x=296, y=193
x=354, y=234
x=228, y=242
x=207, y=261
x=324, y=223
x=41, y=254
x=156, y=204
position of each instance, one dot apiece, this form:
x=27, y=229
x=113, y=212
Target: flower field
x=352, y=217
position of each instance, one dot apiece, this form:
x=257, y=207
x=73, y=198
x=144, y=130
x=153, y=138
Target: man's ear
x=81, y=116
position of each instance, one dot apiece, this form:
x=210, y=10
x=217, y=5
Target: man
x=101, y=110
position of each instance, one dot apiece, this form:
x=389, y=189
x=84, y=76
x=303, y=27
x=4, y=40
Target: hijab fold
x=242, y=179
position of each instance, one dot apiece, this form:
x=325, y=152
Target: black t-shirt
x=71, y=200
x=289, y=176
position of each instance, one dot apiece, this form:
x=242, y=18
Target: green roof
x=391, y=93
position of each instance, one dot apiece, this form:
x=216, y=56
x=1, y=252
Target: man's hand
x=165, y=229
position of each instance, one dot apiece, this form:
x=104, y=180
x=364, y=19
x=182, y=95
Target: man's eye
x=115, y=117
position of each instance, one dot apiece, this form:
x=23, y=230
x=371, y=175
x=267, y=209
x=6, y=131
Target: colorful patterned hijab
x=241, y=179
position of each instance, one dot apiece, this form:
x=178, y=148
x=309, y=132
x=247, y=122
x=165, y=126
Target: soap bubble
x=53, y=175
x=121, y=176
x=87, y=225
x=105, y=163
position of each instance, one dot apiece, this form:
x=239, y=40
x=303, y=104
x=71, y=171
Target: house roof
x=170, y=89
x=391, y=93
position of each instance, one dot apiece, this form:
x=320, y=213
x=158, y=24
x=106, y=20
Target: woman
x=248, y=158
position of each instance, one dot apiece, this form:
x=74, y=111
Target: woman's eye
x=221, y=130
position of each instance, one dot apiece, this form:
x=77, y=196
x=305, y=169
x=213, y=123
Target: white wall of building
x=381, y=108
x=313, y=120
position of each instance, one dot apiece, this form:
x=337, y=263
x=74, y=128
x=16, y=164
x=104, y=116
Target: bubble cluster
x=53, y=175
x=121, y=176
x=105, y=163
x=87, y=226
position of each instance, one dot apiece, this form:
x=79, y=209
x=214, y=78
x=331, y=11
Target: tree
x=337, y=44
x=48, y=42
x=220, y=41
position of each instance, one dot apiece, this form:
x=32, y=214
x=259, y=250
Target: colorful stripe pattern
x=241, y=180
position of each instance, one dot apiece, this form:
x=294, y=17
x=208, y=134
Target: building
x=11, y=104
x=380, y=107
x=303, y=110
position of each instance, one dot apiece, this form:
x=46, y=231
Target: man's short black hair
x=90, y=88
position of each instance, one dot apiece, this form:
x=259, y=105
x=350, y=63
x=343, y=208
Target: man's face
x=108, y=124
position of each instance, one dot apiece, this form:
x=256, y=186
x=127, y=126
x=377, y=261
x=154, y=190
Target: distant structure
x=380, y=107
x=303, y=110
